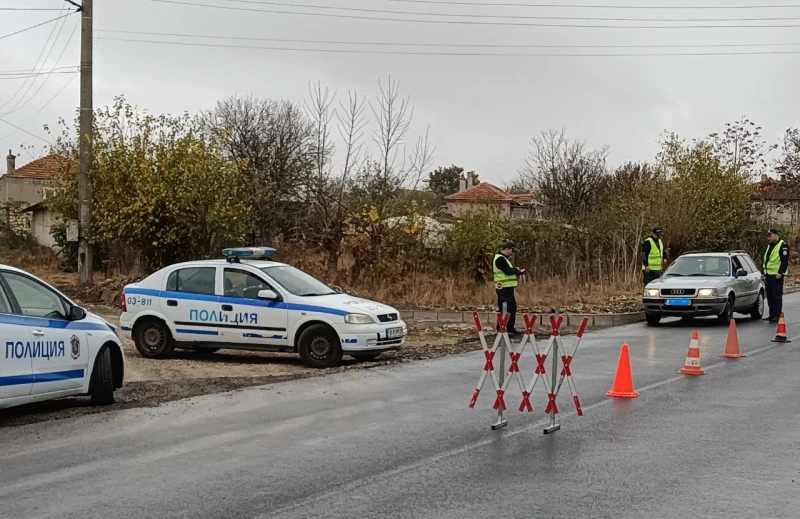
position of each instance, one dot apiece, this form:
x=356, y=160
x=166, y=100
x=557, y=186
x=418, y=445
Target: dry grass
x=416, y=290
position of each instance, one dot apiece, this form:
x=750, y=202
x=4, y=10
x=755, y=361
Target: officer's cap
x=657, y=230
x=509, y=245
x=773, y=231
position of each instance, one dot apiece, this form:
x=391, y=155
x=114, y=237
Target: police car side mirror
x=269, y=295
x=77, y=313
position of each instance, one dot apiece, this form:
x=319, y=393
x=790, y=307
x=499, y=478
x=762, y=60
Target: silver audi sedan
x=699, y=284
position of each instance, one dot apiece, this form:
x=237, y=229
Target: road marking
x=349, y=487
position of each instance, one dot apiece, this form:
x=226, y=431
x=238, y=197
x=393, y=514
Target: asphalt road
x=401, y=442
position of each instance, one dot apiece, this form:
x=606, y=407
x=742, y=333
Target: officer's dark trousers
x=774, y=295
x=650, y=276
x=506, y=295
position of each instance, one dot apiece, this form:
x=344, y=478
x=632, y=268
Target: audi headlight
x=707, y=292
x=358, y=319
x=651, y=292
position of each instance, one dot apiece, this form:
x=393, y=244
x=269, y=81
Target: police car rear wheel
x=101, y=387
x=153, y=339
x=319, y=347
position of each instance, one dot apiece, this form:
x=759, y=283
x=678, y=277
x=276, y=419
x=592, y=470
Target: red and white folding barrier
x=554, y=349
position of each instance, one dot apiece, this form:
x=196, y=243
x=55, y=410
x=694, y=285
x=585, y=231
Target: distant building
x=469, y=197
x=776, y=201
x=30, y=186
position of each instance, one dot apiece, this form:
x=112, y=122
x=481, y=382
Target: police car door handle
x=38, y=333
x=172, y=302
x=227, y=308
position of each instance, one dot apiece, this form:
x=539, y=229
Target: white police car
x=247, y=302
x=51, y=348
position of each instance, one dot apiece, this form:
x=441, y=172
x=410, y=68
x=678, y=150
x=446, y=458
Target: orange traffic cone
x=732, y=346
x=692, y=365
x=780, y=333
x=623, y=383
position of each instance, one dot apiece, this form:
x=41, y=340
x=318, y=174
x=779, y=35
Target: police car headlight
x=707, y=292
x=358, y=319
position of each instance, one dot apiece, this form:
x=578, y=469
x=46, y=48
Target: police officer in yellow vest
x=653, y=256
x=776, y=266
x=506, y=278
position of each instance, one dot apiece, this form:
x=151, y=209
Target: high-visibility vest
x=656, y=258
x=773, y=264
x=501, y=279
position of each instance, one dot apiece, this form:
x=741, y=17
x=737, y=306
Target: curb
x=431, y=318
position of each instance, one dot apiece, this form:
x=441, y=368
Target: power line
x=30, y=9
x=26, y=71
x=20, y=103
x=36, y=63
x=37, y=25
x=462, y=54
x=23, y=130
x=33, y=76
x=503, y=16
x=454, y=45
x=596, y=6
x=36, y=66
x=21, y=99
x=34, y=114
x=465, y=22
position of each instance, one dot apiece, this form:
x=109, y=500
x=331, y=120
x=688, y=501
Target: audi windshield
x=700, y=266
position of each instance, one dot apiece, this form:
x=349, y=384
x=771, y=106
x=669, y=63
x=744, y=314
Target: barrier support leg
x=553, y=427
x=501, y=422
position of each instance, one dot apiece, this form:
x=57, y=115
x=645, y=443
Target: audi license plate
x=679, y=302
x=394, y=332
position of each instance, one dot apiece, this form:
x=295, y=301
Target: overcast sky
x=482, y=111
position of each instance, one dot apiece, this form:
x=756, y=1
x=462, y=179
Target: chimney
x=763, y=177
x=470, y=180
x=11, y=163
x=462, y=184
x=783, y=178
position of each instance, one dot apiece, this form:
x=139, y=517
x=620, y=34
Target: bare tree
x=565, y=173
x=276, y=142
x=741, y=147
x=327, y=208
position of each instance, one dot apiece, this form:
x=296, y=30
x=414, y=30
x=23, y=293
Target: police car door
x=56, y=346
x=15, y=368
x=191, y=304
x=250, y=320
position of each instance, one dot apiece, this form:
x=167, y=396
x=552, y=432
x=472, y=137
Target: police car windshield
x=700, y=266
x=298, y=282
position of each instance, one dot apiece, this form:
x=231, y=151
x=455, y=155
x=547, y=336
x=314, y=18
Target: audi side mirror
x=740, y=273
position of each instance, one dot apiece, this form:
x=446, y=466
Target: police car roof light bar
x=235, y=254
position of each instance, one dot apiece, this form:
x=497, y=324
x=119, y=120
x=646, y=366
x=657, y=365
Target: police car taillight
x=124, y=304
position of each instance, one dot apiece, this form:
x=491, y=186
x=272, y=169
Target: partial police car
x=52, y=348
x=248, y=302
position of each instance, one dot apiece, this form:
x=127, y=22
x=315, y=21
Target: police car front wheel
x=153, y=339
x=319, y=347
x=101, y=386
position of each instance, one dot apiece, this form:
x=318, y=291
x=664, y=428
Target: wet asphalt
x=401, y=442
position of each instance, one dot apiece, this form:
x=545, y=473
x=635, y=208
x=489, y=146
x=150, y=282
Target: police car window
x=35, y=299
x=298, y=282
x=195, y=280
x=240, y=283
x=5, y=306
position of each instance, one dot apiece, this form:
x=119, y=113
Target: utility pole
x=85, y=263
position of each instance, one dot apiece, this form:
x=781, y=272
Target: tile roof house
x=29, y=186
x=775, y=201
x=29, y=183
x=469, y=197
